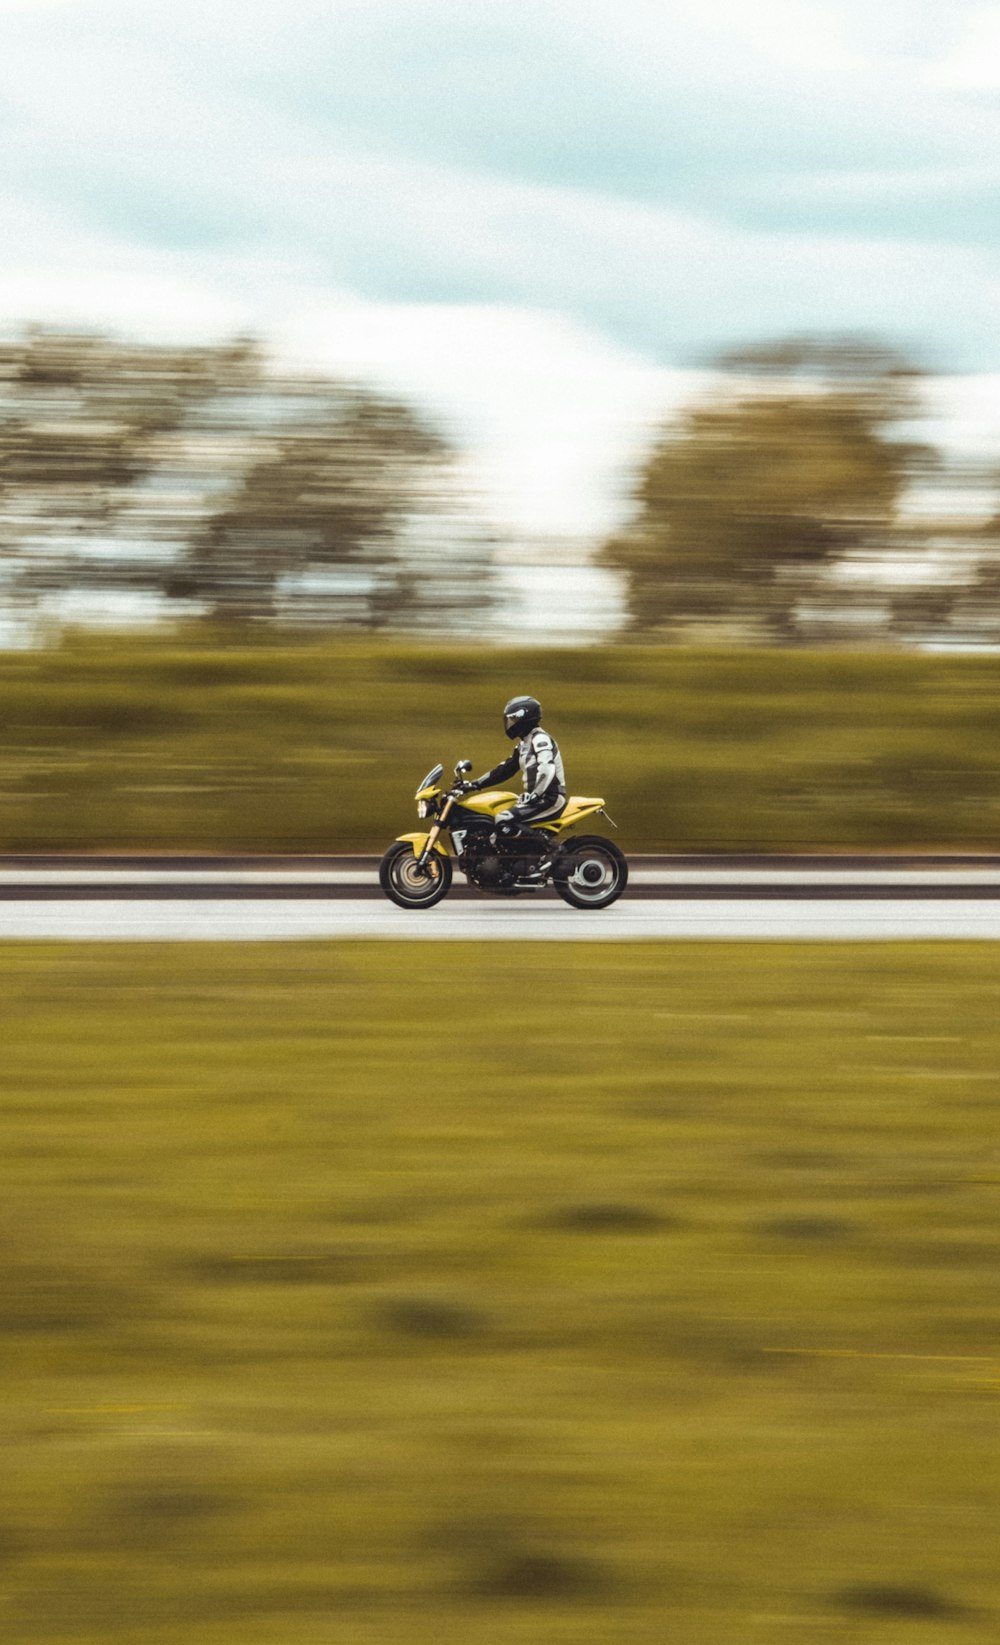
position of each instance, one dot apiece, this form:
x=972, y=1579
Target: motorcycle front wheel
x=407, y=884
x=593, y=873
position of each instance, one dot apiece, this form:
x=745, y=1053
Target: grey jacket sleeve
x=500, y=772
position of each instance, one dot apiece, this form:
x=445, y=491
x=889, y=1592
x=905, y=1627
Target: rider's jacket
x=540, y=762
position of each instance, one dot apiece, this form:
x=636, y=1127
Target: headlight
x=422, y=808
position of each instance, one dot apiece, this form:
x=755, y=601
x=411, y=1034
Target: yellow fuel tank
x=494, y=800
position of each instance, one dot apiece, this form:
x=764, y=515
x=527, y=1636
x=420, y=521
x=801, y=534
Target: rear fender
x=578, y=807
x=419, y=843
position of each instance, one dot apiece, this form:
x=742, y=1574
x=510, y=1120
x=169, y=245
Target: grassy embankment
x=172, y=744
x=543, y=1295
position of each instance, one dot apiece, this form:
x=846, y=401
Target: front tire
x=592, y=873
x=409, y=886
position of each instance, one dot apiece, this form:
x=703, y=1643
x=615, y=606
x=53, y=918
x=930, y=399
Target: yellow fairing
x=420, y=840
x=578, y=806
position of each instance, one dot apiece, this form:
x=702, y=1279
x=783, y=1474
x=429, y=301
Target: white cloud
x=973, y=64
x=551, y=413
x=663, y=172
x=552, y=417
x=798, y=34
x=965, y=416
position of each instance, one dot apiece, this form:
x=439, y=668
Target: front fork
x=432, y=838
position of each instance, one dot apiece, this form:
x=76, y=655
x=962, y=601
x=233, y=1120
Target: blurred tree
x=85, y=422
x=792, y=463
x=972, y=617
x=198, y=475
x=322, y=506
x=81, y=414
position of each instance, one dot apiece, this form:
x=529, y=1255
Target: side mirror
x=462, y=767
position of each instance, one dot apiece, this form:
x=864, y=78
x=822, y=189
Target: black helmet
x=520, y=716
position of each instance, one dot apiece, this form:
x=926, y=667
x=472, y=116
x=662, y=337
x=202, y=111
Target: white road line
x=30, y=877
x=265, y=920
x=815, y=876
x=97, y=875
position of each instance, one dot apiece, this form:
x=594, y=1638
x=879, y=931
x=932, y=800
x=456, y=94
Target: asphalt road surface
x=254, y=899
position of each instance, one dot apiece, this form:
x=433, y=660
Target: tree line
x=772, y=510
x=205, y=478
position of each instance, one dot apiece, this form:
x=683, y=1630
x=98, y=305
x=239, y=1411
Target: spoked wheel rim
x=594, y=875
x=412, y=881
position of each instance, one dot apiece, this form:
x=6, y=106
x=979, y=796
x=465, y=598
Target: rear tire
x=592, y=872
x=409, y=886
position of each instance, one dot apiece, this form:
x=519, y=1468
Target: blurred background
x=561, y=323
x=362, y=363
x=420, y=354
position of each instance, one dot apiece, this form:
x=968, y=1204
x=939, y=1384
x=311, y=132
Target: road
x=256, y=899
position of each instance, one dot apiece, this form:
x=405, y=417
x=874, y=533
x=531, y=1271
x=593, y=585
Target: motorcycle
x=587, y=870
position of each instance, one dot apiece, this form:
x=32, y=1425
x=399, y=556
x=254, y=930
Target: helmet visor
x=512, y=720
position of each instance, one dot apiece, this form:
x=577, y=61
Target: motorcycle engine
x=497, y=862
x=495, y=866
x=484, y=864
x=490, y=870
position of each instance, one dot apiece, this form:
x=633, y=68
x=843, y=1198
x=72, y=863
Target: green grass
x=200, y=742
x=499, y=1294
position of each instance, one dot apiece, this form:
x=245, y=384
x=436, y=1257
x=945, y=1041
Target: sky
x=541, y=218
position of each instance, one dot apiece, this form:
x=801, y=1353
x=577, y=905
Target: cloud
x=527, y=214
x=549, y=417
x=552, y=418
x=973, y=63
x=656, y=101
x=668, y=280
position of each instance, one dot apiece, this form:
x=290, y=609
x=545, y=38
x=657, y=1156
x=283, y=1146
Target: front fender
x=419, y=842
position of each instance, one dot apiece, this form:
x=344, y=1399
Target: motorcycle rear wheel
x=592, y=873
x=409, y=886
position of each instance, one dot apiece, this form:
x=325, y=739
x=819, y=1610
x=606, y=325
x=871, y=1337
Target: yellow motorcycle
x=587, y=871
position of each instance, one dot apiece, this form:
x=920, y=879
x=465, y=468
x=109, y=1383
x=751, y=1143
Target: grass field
x=199, y=742
x=499, y=1295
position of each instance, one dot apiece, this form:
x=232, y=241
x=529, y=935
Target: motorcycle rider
x=540, y=762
